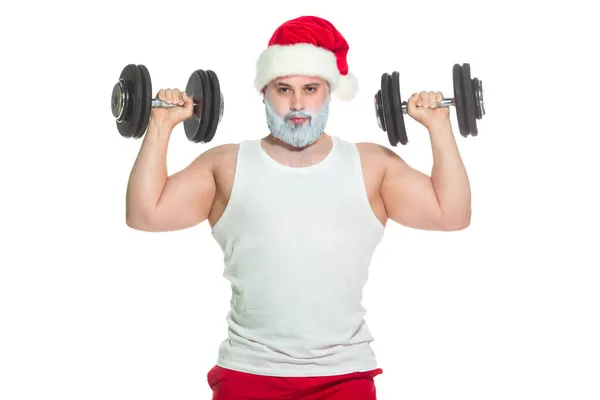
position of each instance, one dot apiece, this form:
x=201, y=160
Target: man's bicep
x=409, y=196
x=187, y=197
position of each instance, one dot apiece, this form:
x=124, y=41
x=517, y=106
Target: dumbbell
x=132, y=102
x=468, y=100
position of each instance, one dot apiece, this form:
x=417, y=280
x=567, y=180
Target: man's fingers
x=432, y=99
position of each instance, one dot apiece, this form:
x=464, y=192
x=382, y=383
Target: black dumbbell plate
x=146, y=102
x=386, y=100
x=470, y=99
x=133, y=93
x=216, y=105
x=459, y=99
x=199, y=88
x=397, y=109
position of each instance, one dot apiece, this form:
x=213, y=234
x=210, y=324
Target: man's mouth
x=298, y=120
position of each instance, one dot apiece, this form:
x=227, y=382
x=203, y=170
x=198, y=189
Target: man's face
x=297, y=109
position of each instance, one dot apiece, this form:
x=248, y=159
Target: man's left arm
x=449, y=177
x=441, y=201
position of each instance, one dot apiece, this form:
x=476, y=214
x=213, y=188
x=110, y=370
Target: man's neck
x=290, y=155
x=322, y=144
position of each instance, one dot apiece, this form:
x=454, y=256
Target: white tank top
x=297, y=244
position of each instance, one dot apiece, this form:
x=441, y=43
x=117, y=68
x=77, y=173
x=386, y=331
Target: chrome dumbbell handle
x=157, y=103
x=443, y=103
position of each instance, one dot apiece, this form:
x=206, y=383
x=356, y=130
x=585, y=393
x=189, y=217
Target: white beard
x=300, y=135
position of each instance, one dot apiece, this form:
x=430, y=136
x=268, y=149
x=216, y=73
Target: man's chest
x=372, y=178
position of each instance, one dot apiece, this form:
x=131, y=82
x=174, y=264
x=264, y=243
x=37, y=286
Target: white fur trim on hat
x=303, y=59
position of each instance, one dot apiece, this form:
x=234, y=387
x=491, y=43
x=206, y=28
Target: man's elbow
x=456, y=223
x=136, y=225
x=457, y=226
x=138, y=221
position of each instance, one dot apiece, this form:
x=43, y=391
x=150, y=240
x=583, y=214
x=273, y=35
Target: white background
x=507, y=309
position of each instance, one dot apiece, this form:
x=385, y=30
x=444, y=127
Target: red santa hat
x=309, y=46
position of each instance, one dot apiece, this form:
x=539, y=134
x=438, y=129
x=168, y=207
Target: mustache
x=298, y=114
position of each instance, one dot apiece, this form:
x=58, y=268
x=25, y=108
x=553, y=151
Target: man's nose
x=297, y=104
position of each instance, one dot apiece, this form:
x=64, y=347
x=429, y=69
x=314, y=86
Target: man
x=298, y=214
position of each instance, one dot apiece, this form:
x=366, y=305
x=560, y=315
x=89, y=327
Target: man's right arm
x=156, y=202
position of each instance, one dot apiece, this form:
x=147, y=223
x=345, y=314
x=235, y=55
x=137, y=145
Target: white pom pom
x=347, y=87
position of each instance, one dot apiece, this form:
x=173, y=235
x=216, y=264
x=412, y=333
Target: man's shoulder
x=369, y=146
x=372, y=149
x=375, y=155
x=225, y=148
x=221, y=155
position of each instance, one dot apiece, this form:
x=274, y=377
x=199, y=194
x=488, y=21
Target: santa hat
x=308, y=46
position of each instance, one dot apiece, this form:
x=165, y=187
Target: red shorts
x=228, y=384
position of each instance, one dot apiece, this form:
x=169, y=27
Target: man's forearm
x=149, y=173
x=449, y=177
